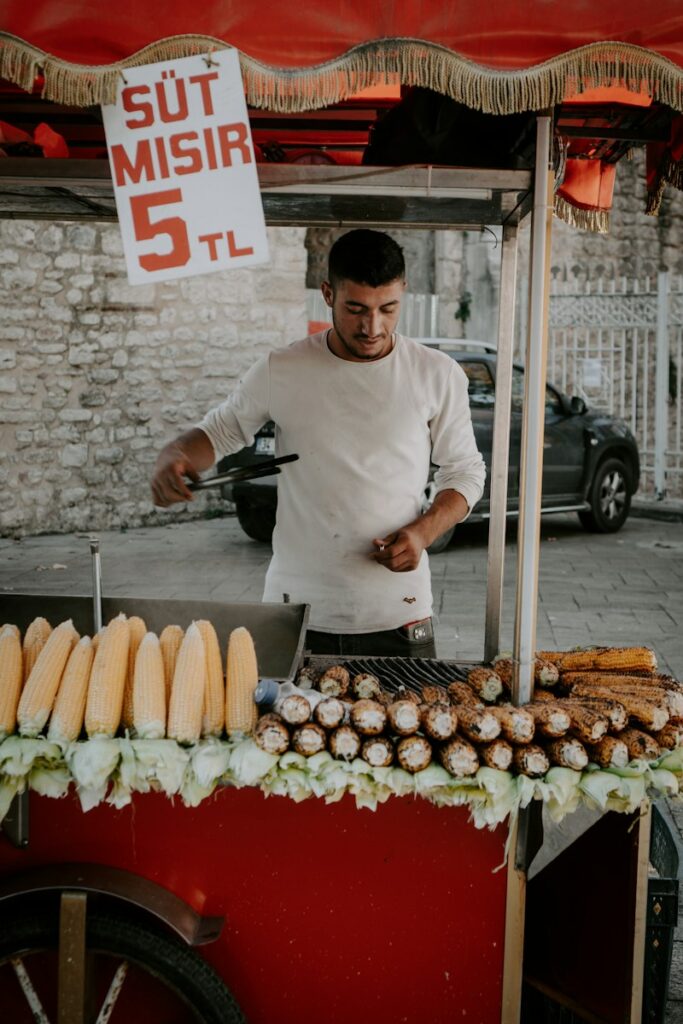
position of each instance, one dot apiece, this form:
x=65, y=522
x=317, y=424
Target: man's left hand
x=400, y=551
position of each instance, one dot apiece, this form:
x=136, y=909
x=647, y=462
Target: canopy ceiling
x=499, y=58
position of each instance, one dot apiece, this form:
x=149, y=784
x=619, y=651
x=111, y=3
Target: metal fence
x=619, y=344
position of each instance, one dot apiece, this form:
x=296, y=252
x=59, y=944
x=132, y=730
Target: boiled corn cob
x=610, y=752
x=35, y=639
x=517, y=725
x=567, y=753
x=414, y=753
x=241, y=680
x=149, y=690
x=478, y=724
x=66, y=720
x=486, y=683
x=213, y=718
x=497, y=754
x=187, y=692
x=137, y=630
x=459, y=757
x=96, y=639
x=170, y=640
x=11, y=678
x=108, y=679
x=530, y=760
x=640, y=745
x=14, y=629
x=41, y=687
x=550, y=719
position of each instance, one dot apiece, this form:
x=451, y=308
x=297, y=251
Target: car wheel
x=258, y=522
x=609, y=498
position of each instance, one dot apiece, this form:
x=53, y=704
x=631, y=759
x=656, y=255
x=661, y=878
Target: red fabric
x=499, y=34
x=588, y=184
x=53, y=145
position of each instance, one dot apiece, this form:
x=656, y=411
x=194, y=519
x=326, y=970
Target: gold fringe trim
x=581, y=217
x=408, y=61
x=670, y=172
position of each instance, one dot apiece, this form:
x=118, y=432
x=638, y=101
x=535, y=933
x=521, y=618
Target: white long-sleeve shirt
x=365, y=433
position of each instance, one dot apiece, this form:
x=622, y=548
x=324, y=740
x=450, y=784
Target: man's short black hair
x=366, y=257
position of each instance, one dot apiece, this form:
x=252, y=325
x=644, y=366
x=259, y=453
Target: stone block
x=103, y=376
x=51, y=239
x=50, y=348
x=74, y=296
x=110, y=456
x=8, y=385
x=130, y=296
x=18, y=280
x=97, y=436
x=74, y=455
x=73, y=495
x=92, y=398
x=75, y=415
x=68, y=261
x=23, y=438
x=81, y=237
x=90, y=319
x=94, y=475
x=111, y=416
x=8, y=256
x=110, y=239
x=82, y=355
x=19, y=232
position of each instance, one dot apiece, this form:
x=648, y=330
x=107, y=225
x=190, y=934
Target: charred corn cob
x=295, y=709
x=670, y=736
x=66, y=720
x=477, y=724
x=530, y=760
x=624, y=659
x=486, y=683
x=38, y=696
x=136, y=631
x=414, y=753
x=329, y=713
x=403, y=693
x=517, y=725
x=378, y=751
x=271, y=734
x=459, y=757
x=567, y=753
x=640, y=745
x=366, y=686
x=309, y=739
x=11, y=678
x=610, y=752
x=551, y=719
x=648, y=710
x=149, y=690
x=368, y=717
x=308, y=678
x=241, y=712
x=35, y=639
x=503, y=667
x=187, y=692
x=107, y=680
x=497, y=754
x=461, y=693
x=613, y=710
x=609, y=680
x=169, y=641
x=345, y=743
x=546, y=673
x=440, y=721
x=587, y=725
x=335, y=681
x=213, y=716
x=404, y=717
x=432, y=693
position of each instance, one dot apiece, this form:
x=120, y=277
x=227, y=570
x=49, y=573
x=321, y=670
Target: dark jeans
x=386, y=643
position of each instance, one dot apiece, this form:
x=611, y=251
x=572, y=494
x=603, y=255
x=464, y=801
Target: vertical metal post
x=96, y=585
x=72, y=958
x=662, y=383
x=501, y=443
x=533, y=421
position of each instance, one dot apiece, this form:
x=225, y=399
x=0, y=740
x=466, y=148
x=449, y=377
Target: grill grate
x=397, y=673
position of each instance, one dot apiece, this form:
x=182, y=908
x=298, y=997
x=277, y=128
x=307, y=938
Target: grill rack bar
x=396, y=673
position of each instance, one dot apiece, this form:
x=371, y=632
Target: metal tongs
x=269, y=467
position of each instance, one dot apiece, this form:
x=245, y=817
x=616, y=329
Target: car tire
x=258, y=522
x=441, y=543
x=609, y=498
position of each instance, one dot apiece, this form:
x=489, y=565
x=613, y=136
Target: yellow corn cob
x=107, y=680
x=149, y=690
x=213, y=718
x=66, y=720
x=241, y=681
x=11, y=678
x=97, y=637
x=485, y=682
x=35, y=639
x=610, y=752
x=42, y=684
x=187, y=692
x=170, y=641
x=15, y=629
x=136, y=629
x=611, y=659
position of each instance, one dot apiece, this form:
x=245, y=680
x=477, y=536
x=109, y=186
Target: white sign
x=184, y=171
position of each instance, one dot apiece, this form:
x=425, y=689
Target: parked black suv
x=590, y=459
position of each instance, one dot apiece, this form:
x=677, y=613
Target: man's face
x=364, y=318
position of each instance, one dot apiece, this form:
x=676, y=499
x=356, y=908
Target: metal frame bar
x=662, y=383
x=71, y=991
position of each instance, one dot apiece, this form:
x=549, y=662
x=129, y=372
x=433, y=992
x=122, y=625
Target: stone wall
x=95, y=375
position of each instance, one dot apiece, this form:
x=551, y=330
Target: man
x=365, y=409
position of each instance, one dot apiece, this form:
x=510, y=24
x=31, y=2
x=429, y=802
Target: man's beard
x=356, y=354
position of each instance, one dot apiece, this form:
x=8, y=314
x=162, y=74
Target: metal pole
x=501, y=443
x=533, y=422
x=96, y=585
x=662, y=383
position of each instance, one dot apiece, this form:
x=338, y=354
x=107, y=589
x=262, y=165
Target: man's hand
x=187, y=456
x=400, y=551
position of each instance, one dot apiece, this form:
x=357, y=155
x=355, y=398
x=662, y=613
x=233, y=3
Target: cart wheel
x=134, y=973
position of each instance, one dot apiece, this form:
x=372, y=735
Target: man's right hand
x=187, y=456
